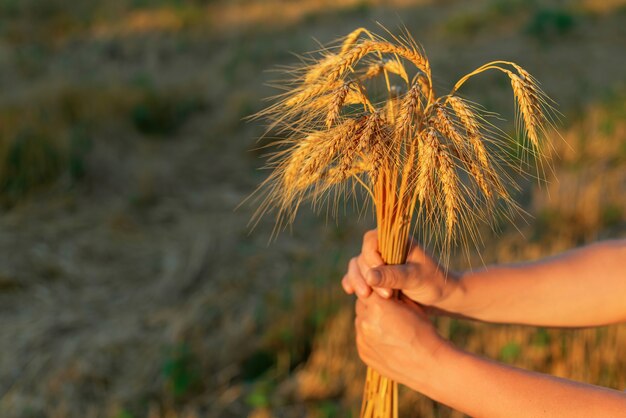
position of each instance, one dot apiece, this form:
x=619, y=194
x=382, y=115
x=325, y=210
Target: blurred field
x=129, y=285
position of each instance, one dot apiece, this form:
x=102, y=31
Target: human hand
x=421, y=278
x=395, y=338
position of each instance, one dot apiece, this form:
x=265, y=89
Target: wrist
x=455, y=296
x=433, y=368
x=442, y=382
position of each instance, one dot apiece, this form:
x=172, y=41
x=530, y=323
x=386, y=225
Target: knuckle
x=361, y=261
x=345, y=283
x=371, y=259
x=352, y=266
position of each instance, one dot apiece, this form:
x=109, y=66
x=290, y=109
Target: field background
x=130, y=286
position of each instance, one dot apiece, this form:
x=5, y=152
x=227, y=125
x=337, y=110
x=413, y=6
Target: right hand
x=421, y=278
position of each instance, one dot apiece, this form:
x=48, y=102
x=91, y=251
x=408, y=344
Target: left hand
x=421, y=278
x=396, y=338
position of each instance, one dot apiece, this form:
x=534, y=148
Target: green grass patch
x=180, y=371
x=260, y=395
x=38, y=147
x=547, y=24
x=160, y=114
x=541, y=338
x=258, y=363
x=459, y=331
x=123, y=414
x=482, y=20
x=612, y=215
x=510, y=352
x=30, y=160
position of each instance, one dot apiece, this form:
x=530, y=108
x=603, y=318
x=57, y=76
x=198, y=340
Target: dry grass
x=408, y=148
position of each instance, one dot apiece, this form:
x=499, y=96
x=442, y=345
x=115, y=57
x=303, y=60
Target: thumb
x=391, y=276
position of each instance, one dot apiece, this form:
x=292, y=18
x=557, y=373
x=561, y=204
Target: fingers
x=364, y=269
x=370, y=251
x=383, y=292
x=355, y=280
x=359, y=278
x=401, y=276
x=347, y=286
x=370, y=257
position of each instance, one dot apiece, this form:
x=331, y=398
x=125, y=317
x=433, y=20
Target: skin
x=396, y=338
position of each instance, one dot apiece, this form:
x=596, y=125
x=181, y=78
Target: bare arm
x=583, y=287
x=484, y=388
x=396, y=339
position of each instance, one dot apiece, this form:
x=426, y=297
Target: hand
x=421, y=278
x=395, y=338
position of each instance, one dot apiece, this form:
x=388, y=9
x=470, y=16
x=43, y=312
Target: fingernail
x=386, y=292
x=374, y=277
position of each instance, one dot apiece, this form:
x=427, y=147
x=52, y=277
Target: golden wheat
x=421, y=158
x=426, y=163
x=528, y=105
x=337, y=102
x=449, y=187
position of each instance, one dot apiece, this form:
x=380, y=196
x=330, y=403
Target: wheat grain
x=351, y=39
x=465, y=115
x=408, y=110
x=426, y=163
x=373, y=70
x=449, y=183
x=446, y=126
x=425, y=88
x=358, y=51
x=395, y=66
x=320, y=69
x=336, y=104
x=308, y=92
x=408, y=151
x=529, y=108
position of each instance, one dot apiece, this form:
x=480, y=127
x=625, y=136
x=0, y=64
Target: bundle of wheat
x=434, y=162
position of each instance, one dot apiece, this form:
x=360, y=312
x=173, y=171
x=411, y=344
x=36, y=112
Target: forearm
x=584, y=287
x=483, y=388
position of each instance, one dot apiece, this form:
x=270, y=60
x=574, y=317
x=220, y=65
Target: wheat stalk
x=419, y=157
